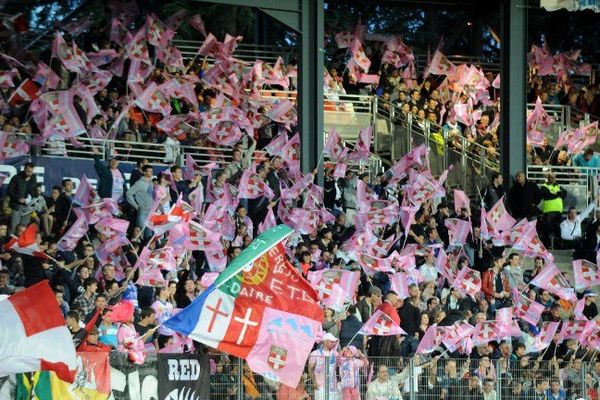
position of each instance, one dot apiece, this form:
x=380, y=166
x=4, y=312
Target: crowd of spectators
x=88, y=286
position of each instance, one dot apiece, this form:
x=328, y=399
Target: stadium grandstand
x=299, y=200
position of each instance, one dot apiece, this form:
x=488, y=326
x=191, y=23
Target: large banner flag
x=92, y=381
x=259, y=309
x=33, y=335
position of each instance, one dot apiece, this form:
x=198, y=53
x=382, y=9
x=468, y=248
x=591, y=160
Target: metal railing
x=244, y=51
x=581, y=183
x=399, y=132
x=491, y=64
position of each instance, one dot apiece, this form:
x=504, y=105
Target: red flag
x=27, y=243
x=27, y=91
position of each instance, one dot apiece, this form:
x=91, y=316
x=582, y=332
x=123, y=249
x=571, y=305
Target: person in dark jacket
x=138, y=172
x=523, y=198
x=410, y=318
x=350, y=326
x=329, y=191
x=111, y=180
x=494, y=192
x=63, y=213
x=21, y=186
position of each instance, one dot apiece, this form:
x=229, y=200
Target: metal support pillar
x=513, y=90
x=310, y=84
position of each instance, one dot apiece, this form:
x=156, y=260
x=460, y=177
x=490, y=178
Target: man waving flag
x=259, y=309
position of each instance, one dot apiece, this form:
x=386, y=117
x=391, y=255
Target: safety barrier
x=244, y=51
x=581, y=183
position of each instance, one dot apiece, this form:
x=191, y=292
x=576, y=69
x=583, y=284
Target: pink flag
x=544, y=338
x=269, y=221
x=202, y=238
x=84, y=192
x=578, y=310
x=468, y=282
x=499, y=218
x=362, y=148
x=324, y=280
x=152, y=100
x=64, y=52
x=526, y=309
x=458, y=230
x=95, y=211
x=137, y=48
x=486, y=332
x=399, y=284
x=252, y=186
x=46, y=77
x=461, y=200
x=70, y=239
x=118, y=32
x=106, y=249
x=11, y=146
x=587, y=137
x=197, y=197
x=380, y=324
x=197, y=23
x=217, y=260
x=210, y=46
x=111, y=226
x=508, y=326
x=551, y=279
x=304, y=221
x=431, y=339
x=336, y=299
x=208, y=278
x=440, y=65
x=586, y=274
x=572, y=330
x=344, y=39
x=458, y=337
x=334, y=147
x=162, y=258
x=176, y=19
x=372, y=265
x=537, y=122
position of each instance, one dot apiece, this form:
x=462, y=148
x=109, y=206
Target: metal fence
x=581, y=183
x=397, y=133
x=344, y=376
x=244, y=51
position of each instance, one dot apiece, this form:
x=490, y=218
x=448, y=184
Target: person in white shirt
x=429, y=270
x=386, y=386
x=570, y=228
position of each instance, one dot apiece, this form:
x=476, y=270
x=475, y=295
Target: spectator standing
x=111, y=180
x=140, y=197
x=552, y=208
x=570, y=227
x=494, y=191
x=495, y=285
x=317, y=364
x=21, y=189
x=369, y=303
x=348, y=187
x=587, y=159
x=349, y=329
x=523, y=198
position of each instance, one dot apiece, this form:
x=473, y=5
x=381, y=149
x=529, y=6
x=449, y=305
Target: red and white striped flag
x=33, y=335
x=381, y=324
x=27, y=243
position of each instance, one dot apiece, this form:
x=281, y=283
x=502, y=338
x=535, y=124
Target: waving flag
x=334, y=147
x=544, y=338
x=380, y=324
x=27, y=91
x=335, y=299
x=202, y=238
x=110, y=226
x=362, y=148
x=137, y=48
x=269, y=221
x=440, y=65
x=33, y=335
x=197, y=23
x=499, y=218
x=27, y=243
x=324, y=280
x=486, y=332
x=431, y=339
x=252, y=186
x=572, y=330
x=70, y=239
x=458, y=337
x=526, y=309
x=399, y=284
x=45, y=77
x=148, y=272
x=11, y=146
x=118, y=32
x=537, y=122
x=468, y=282
x=458, y=231
x=551, y=279
x=266, y=313
x=152, y=100
x=461, y=200
x=85, y=192
x=95, y=211
x=586, y=274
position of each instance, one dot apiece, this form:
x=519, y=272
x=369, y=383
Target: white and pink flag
x=526, y=309
x=252, y=186
x=69, y=240
x=468, y=282
x=586, y=274
x=431, y=339
x=551, y=279
x=458, y=231
x=544, y=338
x=380, y=324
